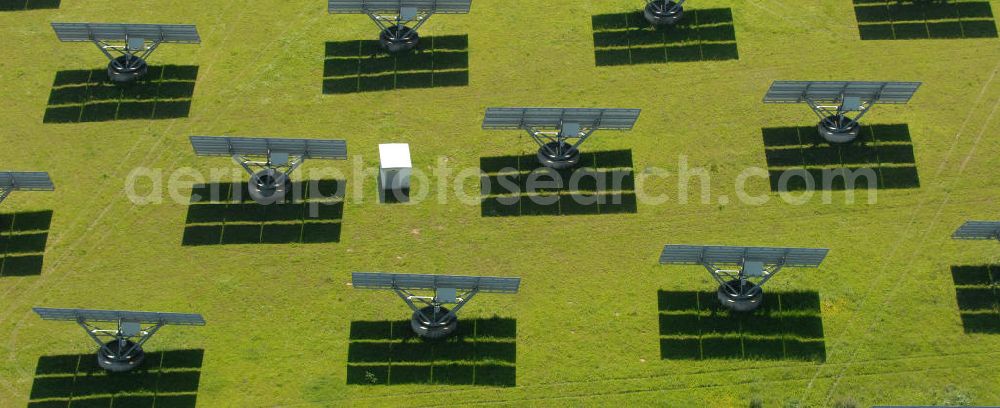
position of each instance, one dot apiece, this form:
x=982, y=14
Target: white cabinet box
x=395, y=167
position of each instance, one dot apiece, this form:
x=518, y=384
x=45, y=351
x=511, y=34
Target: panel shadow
x=799, y=159
x=23, y=236
x=695, y=326
x=603, y=183
x=362, y=66
x=628, y=39
x=924, y=19
x=482, y=352
x=977, y=290
x=17, y=5
x=89, y=96
x=224, y=213
x=165, y=379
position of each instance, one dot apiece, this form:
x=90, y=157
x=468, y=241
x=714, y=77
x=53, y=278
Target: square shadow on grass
x=602, y=183
x=922, y=19
x=165, y=92
x=695, y=326
x=17, y=5
x=481, y=352
x=628, y=39
x=23, y=236
x=799, y=159
x=977, y=290
x=224, y=213
x=165, y=379
x=362, y=66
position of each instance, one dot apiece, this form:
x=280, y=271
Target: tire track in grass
x=878, y=368
x=915, y=218
x=152, y=154
x=90, y=227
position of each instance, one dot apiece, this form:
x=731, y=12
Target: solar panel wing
x=837, y=91
x=519, y=118
x=262, y=146
x=978, y=230
x=167, y=33
x=735, y=255
x=489, y=284
x=183, y=319
x=26, y=181
x=394, y=6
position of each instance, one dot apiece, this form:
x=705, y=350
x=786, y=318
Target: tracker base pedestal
x=124, y=70
x=558, y=162
x=749, y=300
x=834, y=130
x=395, y=39
x=433, y=330
x=116, y=363
x=265, y=188
x=655, y=16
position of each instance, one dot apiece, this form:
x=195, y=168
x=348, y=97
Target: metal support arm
x=384, y=22
x=96, y=333
x=724, y=276
x=252, y=166
x=431, y=301
x=130, y=55
x=557, y=138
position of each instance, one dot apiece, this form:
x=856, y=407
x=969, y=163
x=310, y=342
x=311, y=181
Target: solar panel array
x=183, y=319
x=520, y=118
x=394, y=6
x=262, y=146
x=376, y=280
x=836, y=91
x=26, y=180
x=978, y=230
x=168, y=33
x=735, y=255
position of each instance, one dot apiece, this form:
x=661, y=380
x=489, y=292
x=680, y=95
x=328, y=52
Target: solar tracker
x=733, y=255
x=837, y=91
x=127, y=46
x=253, y=146
x=431, y=319
x=573, y=126
x=374, y=280
x=392, y=17
x=89, y=32
x=183, y=319
x=119, y=347
x=547, y=118
x=740, y=289
x=978, y=230
x=831, y=101
x=394, y=6
x=269, y=180
x=25, y=180
x=11, y=181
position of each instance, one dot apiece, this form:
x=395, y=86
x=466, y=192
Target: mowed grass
x=587, y=319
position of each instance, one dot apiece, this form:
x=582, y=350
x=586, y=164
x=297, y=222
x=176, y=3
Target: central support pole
x=130, y=65
x=432, y=320
x=122, y=351
x=395, y=35
x=269, y=182
x=556, y=149
x=737, y=289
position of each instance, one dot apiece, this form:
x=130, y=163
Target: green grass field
x=878, y=323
